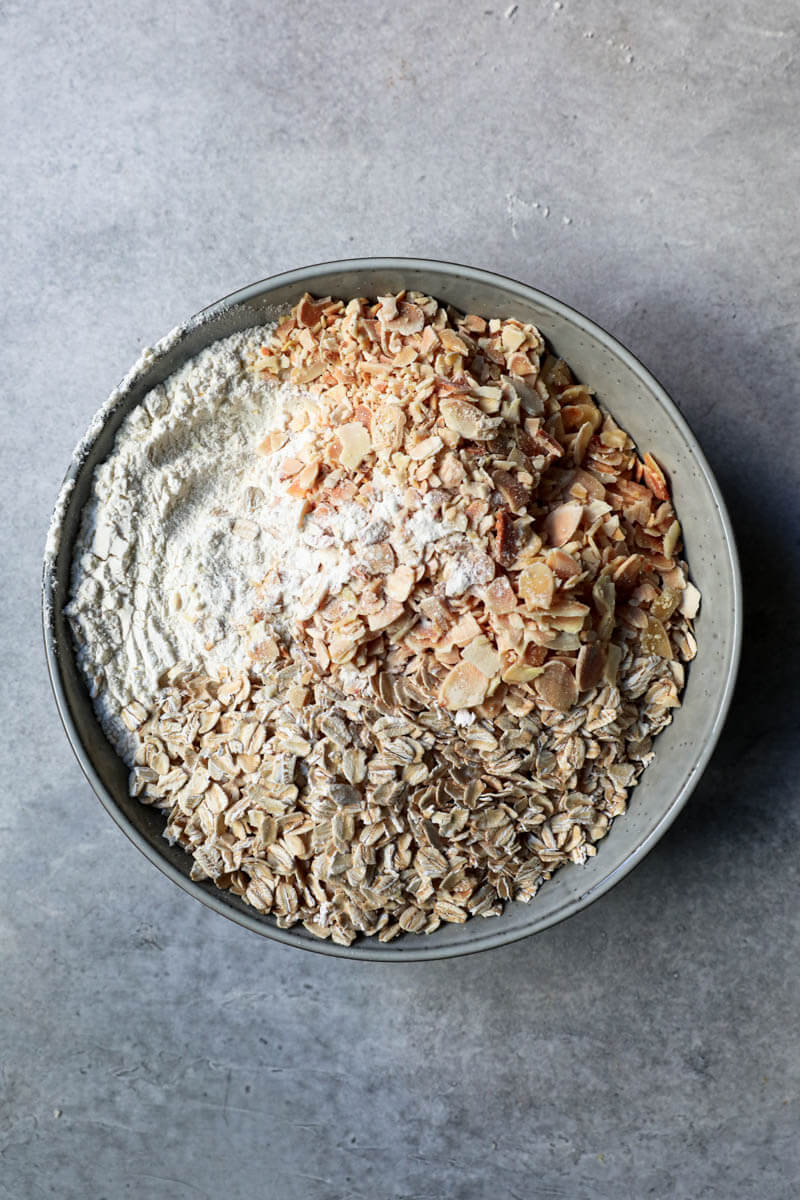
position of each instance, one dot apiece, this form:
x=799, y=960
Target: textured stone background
x=638, y=160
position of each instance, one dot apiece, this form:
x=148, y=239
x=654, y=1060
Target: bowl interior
x=641, y=407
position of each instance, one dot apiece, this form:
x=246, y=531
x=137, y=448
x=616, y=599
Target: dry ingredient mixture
x=384, y=611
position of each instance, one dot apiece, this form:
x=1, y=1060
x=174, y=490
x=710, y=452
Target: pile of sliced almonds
x=565, y=535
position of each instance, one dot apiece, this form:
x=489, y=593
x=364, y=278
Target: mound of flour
x=159, y=576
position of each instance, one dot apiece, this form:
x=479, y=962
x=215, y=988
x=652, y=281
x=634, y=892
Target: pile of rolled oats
x=463, y=713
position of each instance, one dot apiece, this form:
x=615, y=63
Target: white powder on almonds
x=186, y=519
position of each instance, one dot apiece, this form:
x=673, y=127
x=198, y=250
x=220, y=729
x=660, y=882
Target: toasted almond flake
x=308, y=372
x=307, y=312
x=590, y=666
x=409, y=319
x=537, y=585
x=557, y=686
x=654, y=639
x=355, y=444
x=400, y=583
x=690, y=602
x=453, y=343
x=561, y=523
x=467, y=420
x=302, y=483
x=289, y=468
x=654, y=478
x=562, y=564
x=512, y=337
x=426, y=448
x=483, y=655
x=464, y=687
x=500, y=597
x=391, y=612
x=671, y=539
x=404, y=357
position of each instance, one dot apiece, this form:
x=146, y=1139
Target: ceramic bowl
x=638, y=403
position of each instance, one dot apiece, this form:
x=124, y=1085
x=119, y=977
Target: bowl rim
x=366, y=948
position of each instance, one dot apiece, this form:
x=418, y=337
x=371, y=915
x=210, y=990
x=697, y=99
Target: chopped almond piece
x=302, y=484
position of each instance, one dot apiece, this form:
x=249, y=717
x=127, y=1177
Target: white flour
x=186, y=518
x=157, y=575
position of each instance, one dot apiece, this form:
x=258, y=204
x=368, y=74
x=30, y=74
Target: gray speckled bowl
x=638, y=403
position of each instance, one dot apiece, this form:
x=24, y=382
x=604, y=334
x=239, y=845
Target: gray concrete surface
x=640, y=162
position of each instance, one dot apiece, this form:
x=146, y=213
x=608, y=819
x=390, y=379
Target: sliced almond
x=590, y=666
x=500, y=596
x=464, y=687
x=671, y=539
x=654, y=639
x=425, y=449
x=562, y=564
x=482, y=654
x=290, y=467
x=537, y=585
x=512, y=337
x=690, y=601
x=355, y=444
x=386, y=616
x=467, y=420
x=581, y=443
x=303, y=483
x=557, y=686
x=308, y=311
x=627, y=573
x=452, y=343
x=516, y=495
x=562, y=522
x=654, y=478
x=404, y=357
x=400, y=583
x=409, y=319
